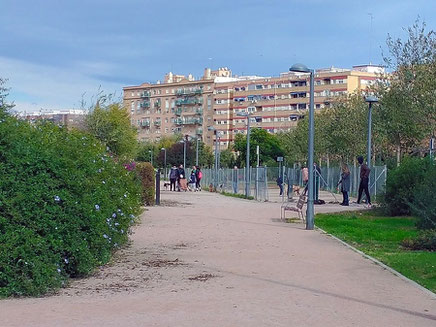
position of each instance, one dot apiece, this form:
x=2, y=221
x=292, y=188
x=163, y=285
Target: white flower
x=125, y=195
x=114, y=215
x=132, y=216
x=57, y=198
x=66, y=260
x=59, y=270
x=97, y=207
x=122, y=231
x=119, y=210
x=116, y=224
x=105, y=236
x=103, y=182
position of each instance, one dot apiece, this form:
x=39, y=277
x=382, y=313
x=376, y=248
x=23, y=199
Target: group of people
x=363, y=186
x=179, y=182
x=344, y=182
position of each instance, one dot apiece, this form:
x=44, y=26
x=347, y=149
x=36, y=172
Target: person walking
x=199, y=176
x=345, y=184
x=305, y=177
x=180, y=175
x=193, y=180
x=280, y=183
x=364, y=181
x=174, y=173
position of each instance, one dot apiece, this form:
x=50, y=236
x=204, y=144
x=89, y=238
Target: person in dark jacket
x=345, y=184
x=364, y=181
x=181, y=174
x=198, y=176
x=280, y=183
x=174, y=174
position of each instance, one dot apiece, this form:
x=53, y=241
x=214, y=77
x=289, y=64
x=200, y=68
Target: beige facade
x=189, y=107
x=73, y=118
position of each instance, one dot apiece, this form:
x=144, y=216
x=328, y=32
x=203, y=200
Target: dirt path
x=207, y=260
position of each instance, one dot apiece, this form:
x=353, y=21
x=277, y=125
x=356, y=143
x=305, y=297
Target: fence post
x=158, y=187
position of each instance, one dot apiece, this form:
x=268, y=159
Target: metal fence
x=262, y=178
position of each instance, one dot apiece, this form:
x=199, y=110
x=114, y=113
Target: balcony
x=157, y=104
x=144, y=123
x=181, y=92
x=145, y=104
x=157, y=123
x=192, y=121
x=199, y=111
x=189, y=101
x=199, y=131
x=145, y=94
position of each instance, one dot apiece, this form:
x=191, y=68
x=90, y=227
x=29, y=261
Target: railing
x=180, y=92
x=145, y=94
x=157, y=122
x=144, y=123
x=145, y=104
x=178, y=111
x=234, y=180
x=188, y=101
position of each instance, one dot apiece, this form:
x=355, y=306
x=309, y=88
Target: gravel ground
x=203, y=259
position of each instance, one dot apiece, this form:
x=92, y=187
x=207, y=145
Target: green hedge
x=65, y=205
x=146, y=173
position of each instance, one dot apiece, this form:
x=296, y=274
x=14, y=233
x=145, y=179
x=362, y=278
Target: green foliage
x=402, y=185
x=269, y=147
x=111, y=125
x=65, y=205
x=424, y=202
x=381, y=237
x=146, y=174
x=227, y=159
x=426, y=240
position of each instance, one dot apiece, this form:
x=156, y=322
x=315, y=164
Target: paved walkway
x=203, y=259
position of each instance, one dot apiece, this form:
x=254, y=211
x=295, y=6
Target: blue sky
x=54, y=52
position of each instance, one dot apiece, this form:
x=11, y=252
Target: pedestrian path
x=213, y=260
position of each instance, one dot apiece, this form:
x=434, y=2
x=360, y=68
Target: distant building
x=187, y=106
x=73, y=118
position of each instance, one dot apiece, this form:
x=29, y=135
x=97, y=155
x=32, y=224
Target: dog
x=166, y=185
x=296, y=189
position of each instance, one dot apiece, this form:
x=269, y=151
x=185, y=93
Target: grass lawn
x=380, y=238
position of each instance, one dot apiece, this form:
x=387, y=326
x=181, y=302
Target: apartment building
x=191, y=107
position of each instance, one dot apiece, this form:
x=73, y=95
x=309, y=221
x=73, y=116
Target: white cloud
x=40, y=86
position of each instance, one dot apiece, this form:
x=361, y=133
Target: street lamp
x=370, y=99
x=196, y=153
x=165, y=161
x=247, y=161
x=300, y=68
x=151, y=157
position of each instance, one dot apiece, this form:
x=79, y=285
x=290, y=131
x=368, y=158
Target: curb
x=381, y=264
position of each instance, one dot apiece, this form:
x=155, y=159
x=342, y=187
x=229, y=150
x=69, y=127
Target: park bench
x=297, y=207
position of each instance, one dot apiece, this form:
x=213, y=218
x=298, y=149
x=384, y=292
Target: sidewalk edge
x=391, y=270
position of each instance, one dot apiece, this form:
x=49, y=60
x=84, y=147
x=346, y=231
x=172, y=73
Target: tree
x=269, y=146
x=111, y=125
x=408, y=96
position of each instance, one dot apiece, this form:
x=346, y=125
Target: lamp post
x=247, y=161
x=300, y=68
x=211, y=128
x=151, y=157
x=370, y=99
x=165, y=161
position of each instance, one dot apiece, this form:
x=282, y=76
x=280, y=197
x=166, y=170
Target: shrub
x=426, y=240
x=402, y=184
x=146, y=175
x=65, y=205
x=424, y=202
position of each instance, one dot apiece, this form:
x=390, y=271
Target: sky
x=58, y=54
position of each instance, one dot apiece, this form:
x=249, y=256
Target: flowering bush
x=65, y=205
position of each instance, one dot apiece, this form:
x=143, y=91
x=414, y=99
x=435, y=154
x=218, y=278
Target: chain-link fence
x=263, y=178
